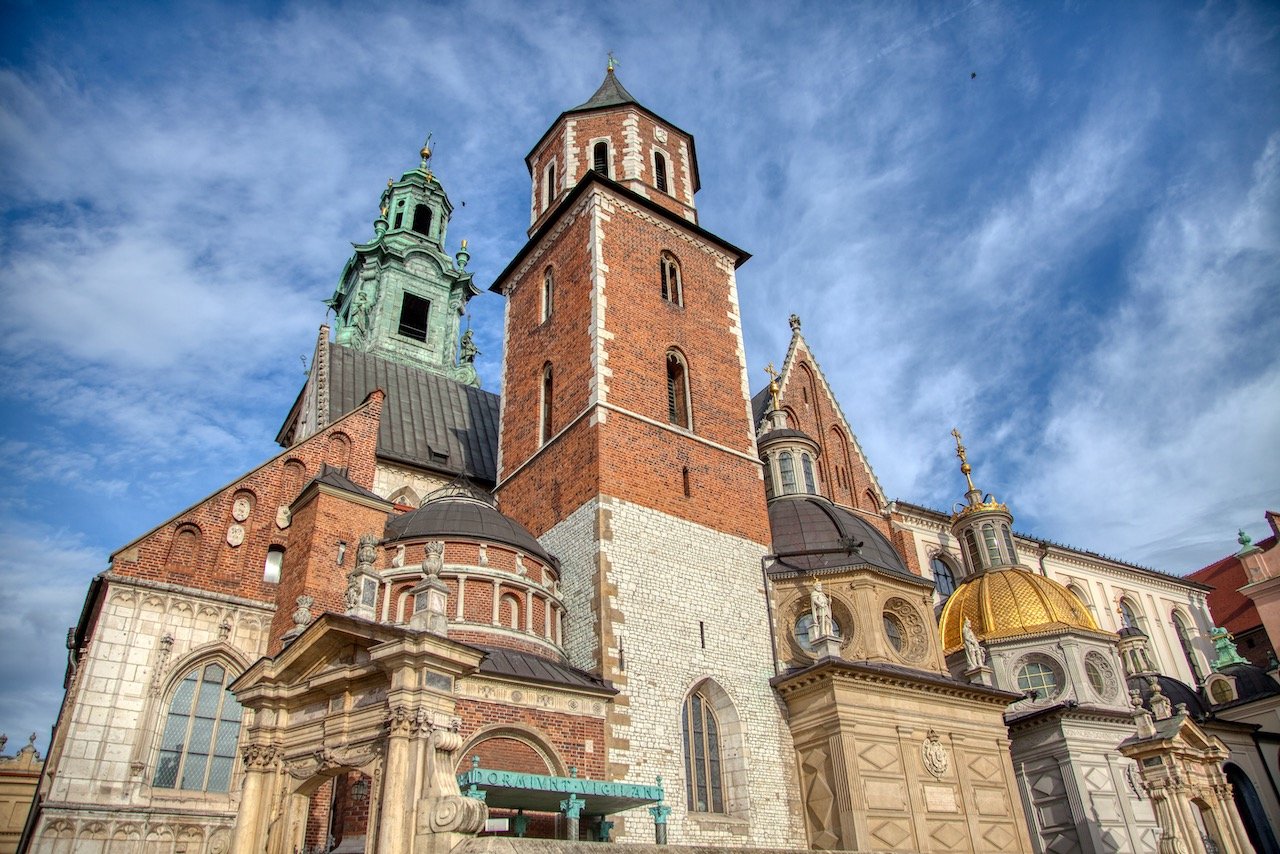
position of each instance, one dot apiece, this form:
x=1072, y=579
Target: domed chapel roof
x=1010, y=602
x=810, y=523
x=467, y=517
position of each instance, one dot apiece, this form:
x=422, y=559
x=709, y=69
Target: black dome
x=1174, y=690
x=802, y=523
x=1251, y=681
x=457, y=516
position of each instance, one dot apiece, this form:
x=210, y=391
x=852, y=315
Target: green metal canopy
x=541, y=793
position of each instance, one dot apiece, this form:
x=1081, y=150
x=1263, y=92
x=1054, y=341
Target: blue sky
x=1073, y=256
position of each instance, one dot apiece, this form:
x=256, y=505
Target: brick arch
x=809, y=390
x=512, y=747
x=185, y=548
x=295, y=476
x=838, y=453
x=337, y=450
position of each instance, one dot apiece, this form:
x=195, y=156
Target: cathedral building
x=623, y=601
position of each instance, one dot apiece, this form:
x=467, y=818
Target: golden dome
x=1010, y=602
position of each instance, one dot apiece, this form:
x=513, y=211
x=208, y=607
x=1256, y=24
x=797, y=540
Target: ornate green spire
x=402, y=295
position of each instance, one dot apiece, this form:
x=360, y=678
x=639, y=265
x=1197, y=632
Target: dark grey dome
x=1174, y=690
x=459, y=516
x=1252, y=682
x=807, y=523
x=784, y=433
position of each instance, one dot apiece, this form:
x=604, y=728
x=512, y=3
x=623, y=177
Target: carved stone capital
x=261, y=757
x=402, y=721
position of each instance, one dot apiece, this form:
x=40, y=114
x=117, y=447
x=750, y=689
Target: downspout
x=768, y=610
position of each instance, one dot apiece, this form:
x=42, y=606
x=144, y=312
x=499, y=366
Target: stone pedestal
x=979, y=675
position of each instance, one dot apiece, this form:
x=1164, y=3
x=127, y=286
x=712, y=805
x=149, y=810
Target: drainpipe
x=768, y=610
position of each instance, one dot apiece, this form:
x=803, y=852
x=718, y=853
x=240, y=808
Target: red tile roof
x=1229, y=608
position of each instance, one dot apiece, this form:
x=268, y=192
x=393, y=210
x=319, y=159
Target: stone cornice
x=832, y=670
x=195, y=592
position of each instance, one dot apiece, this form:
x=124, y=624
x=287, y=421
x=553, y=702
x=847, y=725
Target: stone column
x=392, y=832
x=660, y=813
x=1231, y=818
x=572, y=809
x=259, y=792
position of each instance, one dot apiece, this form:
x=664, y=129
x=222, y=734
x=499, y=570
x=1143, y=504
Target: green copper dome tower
x=401, y=296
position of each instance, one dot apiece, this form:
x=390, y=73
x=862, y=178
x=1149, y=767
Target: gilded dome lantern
x=982, y=524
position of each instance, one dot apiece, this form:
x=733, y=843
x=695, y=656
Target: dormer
x=613, y=135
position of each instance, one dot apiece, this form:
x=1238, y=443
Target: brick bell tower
x=626, y=447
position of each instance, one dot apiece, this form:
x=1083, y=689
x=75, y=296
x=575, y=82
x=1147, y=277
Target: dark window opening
x=399, y=220
x=550, y=190
x=547, y=388
x=413, y=317
x=670, y=271
x=677, y=391
x=687, y=490
x=600, y=157
x=422, y=220
x=660, y=171
x=702, y=633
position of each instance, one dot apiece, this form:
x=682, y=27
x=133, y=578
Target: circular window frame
x=1106, y=674
x=1051, y=663
x=841, y=613
x=915, y=637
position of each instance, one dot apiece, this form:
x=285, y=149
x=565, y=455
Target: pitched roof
x=610, y=94
x=1230, y=608
x=529, y=667
x=428, y=420
x=336, y=478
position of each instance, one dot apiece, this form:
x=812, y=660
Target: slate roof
x=534, y=668
x=330, y=476
x=760, y=406
x=803, y=523
x=453, y=516
x=610, y=94
x=428, y=420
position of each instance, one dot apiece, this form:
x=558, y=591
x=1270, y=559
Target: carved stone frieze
x=261, y=757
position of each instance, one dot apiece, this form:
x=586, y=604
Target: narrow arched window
x=548, y=294
x=944, y=579
x=274, y=563
x=660, y=171
x=993, y=548
x=600, y=158
x=971, y=550
x=703, y=784
x=1184, y=640
x=549, y=185
x=806, y=466
x=672, y=290
x=1008, y=543
x=547, y=388
x=1128, y=615
x=399, y=221
x=509, y=609
x=678, y=391
x=787, y=470
x=422, y=220
x=198, y=747
x=768, y=479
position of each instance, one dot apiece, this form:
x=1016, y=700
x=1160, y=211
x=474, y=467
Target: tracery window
x=678, y=391
x=198, y=747
x=672, y=291
x=703, y=784
x=944, y=579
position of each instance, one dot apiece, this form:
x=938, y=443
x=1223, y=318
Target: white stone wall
x=105, y=754
x=670, y=575
x=390, y=479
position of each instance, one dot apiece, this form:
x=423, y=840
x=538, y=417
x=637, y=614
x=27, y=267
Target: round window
x=1038, y=677
x=893, y=631
x=1100, y=675
x=1096, y=682
x=804, y=628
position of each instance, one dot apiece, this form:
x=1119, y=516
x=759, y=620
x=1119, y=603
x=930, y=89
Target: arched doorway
x=513, y=749
x=1252, y=813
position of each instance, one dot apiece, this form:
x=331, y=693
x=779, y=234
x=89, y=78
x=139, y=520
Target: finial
x=390, y=182
x=462, y=256
x=464, y=243
x=1246, y=544
x=965, y=468
x=795, y=322
x=425, y=151
x=773, y=384
x=612, y=64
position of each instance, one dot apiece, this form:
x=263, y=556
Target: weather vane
x=613, y=63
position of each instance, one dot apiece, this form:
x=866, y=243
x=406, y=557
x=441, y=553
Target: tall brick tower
x=626, y=446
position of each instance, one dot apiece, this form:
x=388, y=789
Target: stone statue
x=467, y=350
x=352, y=596
x=795, y=322
x=974, y=655
x=820, y=605
x=361, y=307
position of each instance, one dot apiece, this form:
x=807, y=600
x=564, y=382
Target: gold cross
x=773, y=384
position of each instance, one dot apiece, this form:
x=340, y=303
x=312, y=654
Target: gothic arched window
x=600, y=158
x=944, y=578
x=1184, y=640
x=660, y=171
x=198, y=747
x=672, y=290
x=678, y=391
x=547, y=388
x=422, y=220
x=701, y=730
x=548, y=294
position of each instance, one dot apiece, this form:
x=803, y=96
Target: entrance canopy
x=540, y=793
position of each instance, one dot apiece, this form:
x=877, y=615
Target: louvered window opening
x=660, y=172
x=414, y=311
x=677, y=391
x=600, y=157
